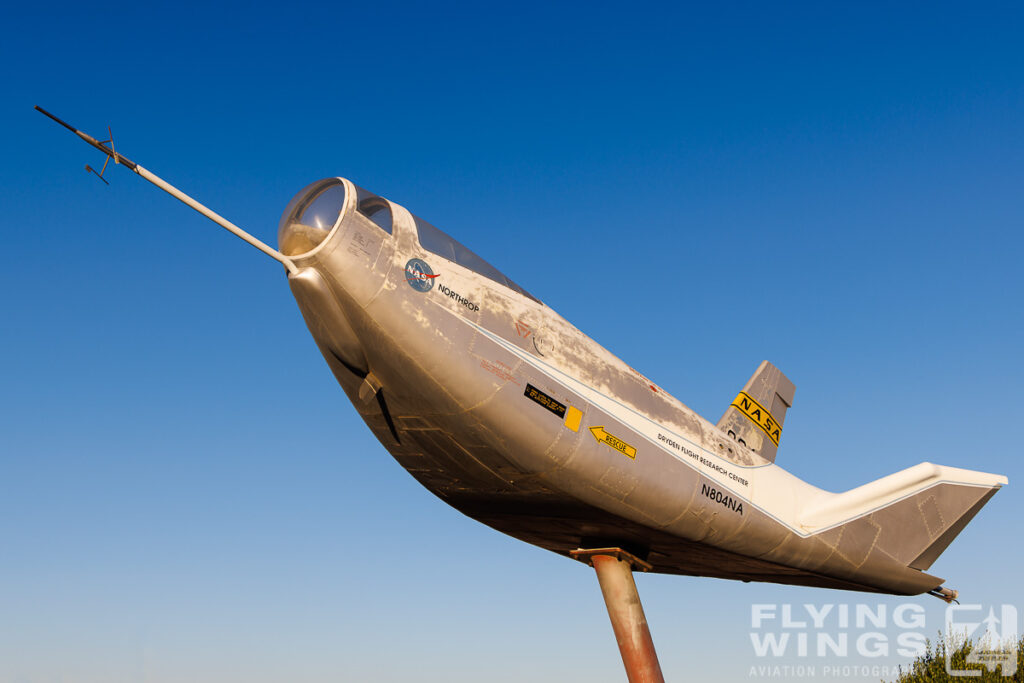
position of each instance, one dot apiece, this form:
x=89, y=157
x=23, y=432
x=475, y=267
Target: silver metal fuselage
x=472, y=387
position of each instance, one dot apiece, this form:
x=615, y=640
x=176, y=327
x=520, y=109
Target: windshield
x=310, y=216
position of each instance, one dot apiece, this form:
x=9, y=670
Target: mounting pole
x=614, y=568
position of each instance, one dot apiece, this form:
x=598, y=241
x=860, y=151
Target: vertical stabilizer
x=755, y=417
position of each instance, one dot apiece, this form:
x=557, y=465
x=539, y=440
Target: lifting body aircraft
x=511, y=415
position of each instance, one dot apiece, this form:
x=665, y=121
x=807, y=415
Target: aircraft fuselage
x=503, y=409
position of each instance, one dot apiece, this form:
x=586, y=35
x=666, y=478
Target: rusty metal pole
x=614, y=568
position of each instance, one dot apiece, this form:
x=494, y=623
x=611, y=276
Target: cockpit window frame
x=436, y=241
x=306, y=198
x=366, y=201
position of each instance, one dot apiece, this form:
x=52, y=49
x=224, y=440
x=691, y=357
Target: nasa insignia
x=419, y=275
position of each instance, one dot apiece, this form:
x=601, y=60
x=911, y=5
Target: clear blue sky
x=185, y=494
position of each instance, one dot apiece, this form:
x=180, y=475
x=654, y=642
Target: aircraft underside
x=485, y=486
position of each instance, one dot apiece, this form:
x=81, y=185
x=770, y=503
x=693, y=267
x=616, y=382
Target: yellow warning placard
x=759, y=415
x=573, y=416
x=618, y=444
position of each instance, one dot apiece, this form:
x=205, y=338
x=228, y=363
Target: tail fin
x=755, y=417
x=912, y=515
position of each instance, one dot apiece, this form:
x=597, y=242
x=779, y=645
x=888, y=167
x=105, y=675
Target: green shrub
x=931, y=666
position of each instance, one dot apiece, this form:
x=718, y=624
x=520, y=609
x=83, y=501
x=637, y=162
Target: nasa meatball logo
x=419, y=275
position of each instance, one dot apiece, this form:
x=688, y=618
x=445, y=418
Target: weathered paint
x=454, y=363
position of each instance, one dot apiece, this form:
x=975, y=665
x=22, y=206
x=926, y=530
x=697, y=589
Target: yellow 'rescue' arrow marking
x=618, y=444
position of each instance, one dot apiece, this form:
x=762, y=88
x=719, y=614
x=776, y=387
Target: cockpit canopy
x=315, y=211
x=442, y=244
